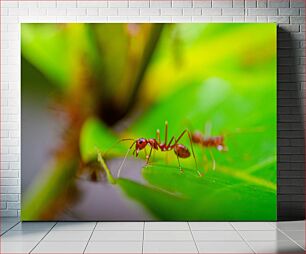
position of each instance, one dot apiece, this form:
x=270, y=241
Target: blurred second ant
x=208, y=141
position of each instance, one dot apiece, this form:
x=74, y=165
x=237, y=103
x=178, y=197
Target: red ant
x=214, y=141
x=207, y=141
x=180, y=150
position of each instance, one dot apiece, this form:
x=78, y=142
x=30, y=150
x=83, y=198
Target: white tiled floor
x=167, y=235
x=101, y=236
x=60, y=247
x=70, y=236
x=224, y=247
x=152, y=237
x=223, y=236
x=169, y=247
x=114, y=247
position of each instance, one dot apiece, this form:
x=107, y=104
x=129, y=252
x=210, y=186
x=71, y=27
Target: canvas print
x=155, y=122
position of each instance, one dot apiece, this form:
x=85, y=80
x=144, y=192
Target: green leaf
x=246, y=120
x=171, y=195
x=243, y=186
x=40, y=46
x=150, y=196
x=238, y=103
x=57, y=50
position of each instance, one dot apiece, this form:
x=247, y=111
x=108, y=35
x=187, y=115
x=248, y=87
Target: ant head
x=196, y=137
x=141, y=143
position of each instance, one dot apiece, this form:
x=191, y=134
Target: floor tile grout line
x=273, y=225
x=290, y=238
x=193, y=237
x=10, y=228
x=158, y=240
x=124, y=230
x=42, y=238
x=143, y=232
x=90, y=237
x=155, y=230
x=294, y=230
x=247, y=243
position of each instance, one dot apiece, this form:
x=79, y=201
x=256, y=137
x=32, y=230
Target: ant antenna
x=121, y=165
x=207, y=129
x=117, y=142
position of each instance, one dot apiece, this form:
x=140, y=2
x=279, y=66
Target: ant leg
x=190, y=140
x=178, y=160
x=195, y=161
x=149, y=156
x=145, y=152
x=153, y=155
x=121, y=165
x=213, y=159
x=158, y=135
x=205, y=158
x=170, y=141
x=180, y=136
x=166, y=131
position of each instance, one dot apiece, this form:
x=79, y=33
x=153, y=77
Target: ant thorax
x=180, y=150
x=141, y=143
x=163, y=147
x=153, y=143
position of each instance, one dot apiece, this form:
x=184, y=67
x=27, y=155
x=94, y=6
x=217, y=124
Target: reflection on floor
x=152, y=237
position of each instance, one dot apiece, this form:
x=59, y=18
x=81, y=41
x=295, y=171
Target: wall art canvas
x=148, y=122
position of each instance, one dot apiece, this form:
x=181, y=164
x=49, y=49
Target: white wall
x=289, y=14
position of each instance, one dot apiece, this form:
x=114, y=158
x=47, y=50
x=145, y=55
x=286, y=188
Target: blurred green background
x=104, y=82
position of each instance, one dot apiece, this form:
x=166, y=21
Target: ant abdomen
x=213, y=141
x=181, y=151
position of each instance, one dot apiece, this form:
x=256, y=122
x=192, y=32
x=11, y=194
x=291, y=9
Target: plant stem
x=109, y=176
x=147, y=56
x=46, y=190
